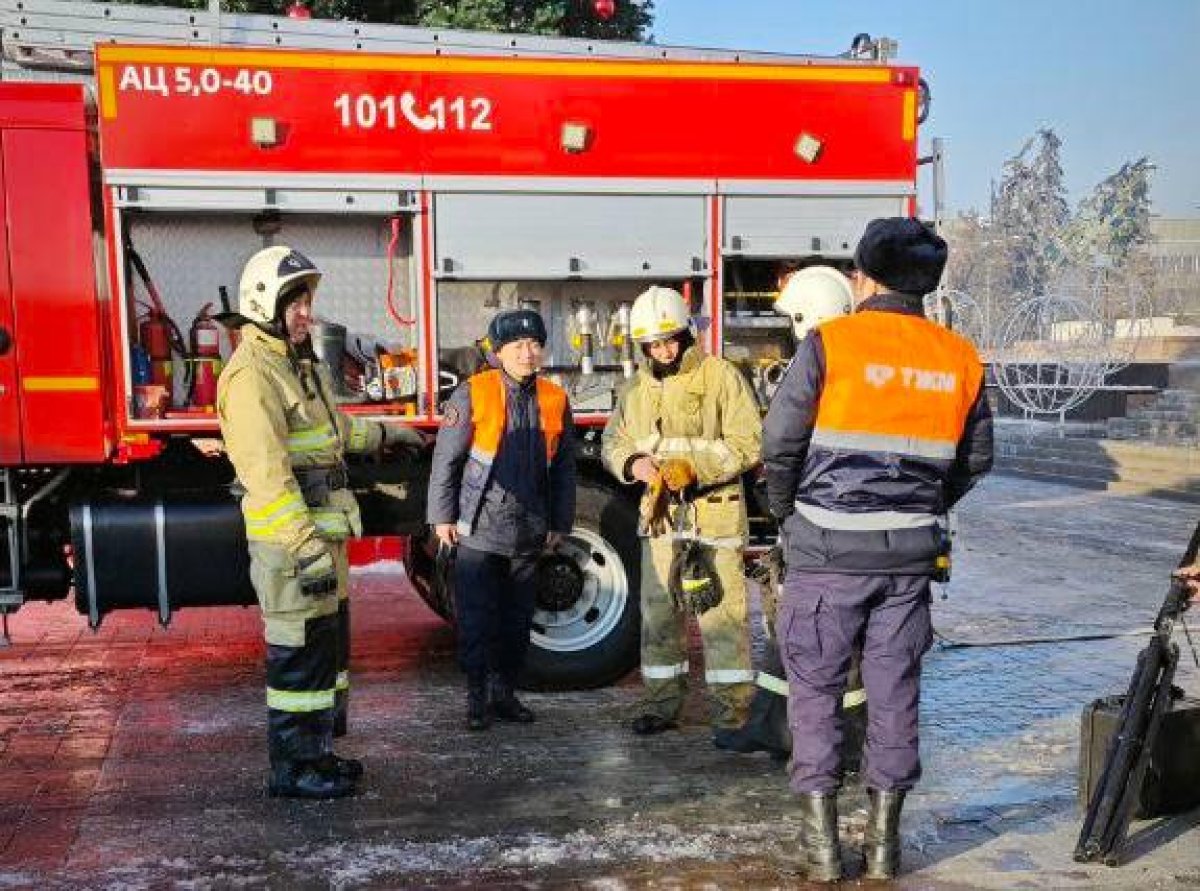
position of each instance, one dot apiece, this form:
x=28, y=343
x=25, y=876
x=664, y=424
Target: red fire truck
x=435, y=178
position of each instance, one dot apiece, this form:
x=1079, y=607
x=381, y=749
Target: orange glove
x=678, y=473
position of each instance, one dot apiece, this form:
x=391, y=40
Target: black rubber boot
x=881, y=841
x=306, y=779
x=300, y=738
x=819, y=836
x=766, y=728
x=341, y=698
x=505, y=705
x=479, y=713
x=350, y=768
x=854, y=735
x=650, y=724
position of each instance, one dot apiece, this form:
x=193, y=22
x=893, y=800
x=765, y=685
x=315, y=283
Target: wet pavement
x=134, y=758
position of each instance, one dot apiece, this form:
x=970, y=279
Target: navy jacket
x=521, y=499
x=841, y=482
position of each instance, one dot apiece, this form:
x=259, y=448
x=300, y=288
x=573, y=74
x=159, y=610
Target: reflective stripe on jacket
x=275, y=424
x=897, y=393
x=705, y=413
x=879, y=426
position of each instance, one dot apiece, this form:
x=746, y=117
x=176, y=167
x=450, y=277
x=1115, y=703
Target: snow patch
x=379, y=567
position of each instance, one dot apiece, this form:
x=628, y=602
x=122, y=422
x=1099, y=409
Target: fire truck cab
x=435, y=178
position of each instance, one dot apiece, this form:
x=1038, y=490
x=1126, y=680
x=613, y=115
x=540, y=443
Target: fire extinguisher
x=158, y=334
x=205, y=342
x=154, y=334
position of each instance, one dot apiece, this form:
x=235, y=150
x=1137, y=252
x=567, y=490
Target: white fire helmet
x=812, y=295
x=267, y=275
x=658, y=313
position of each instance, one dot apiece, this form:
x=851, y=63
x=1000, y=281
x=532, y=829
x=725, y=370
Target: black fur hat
x=902, y=254
x=516, y=324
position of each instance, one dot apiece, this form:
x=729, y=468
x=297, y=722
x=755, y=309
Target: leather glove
x=318, y=574
x=397, y=435
x=678, y=473
x=768, y=570
x=654, y=508
x=693, y=582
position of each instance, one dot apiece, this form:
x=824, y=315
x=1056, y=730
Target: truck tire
x=587, y=624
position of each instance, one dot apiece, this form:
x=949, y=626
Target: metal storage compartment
x=552, y=236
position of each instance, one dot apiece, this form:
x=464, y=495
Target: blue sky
x=1116, y=80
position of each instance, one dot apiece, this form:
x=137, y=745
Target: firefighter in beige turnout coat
x=287, y=443
x=686, y=405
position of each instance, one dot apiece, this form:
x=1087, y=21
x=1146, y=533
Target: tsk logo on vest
x=924, y=379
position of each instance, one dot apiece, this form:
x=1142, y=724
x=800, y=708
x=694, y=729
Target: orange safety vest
x=895, y=384
x=490, y=419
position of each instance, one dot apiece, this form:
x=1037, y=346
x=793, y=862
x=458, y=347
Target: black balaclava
x=301, y=355
x=277, y=327
x=686, y=341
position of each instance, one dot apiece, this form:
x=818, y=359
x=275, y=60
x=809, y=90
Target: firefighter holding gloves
x=879, y=426
x=502, y=491
x=687, y=428
x=287, y=444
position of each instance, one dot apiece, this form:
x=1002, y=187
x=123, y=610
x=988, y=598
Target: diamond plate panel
x=190, y=255
x=465, y=308
x=352, y=252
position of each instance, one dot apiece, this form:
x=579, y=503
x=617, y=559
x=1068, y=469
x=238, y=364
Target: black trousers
x=300, y=693
x=494, y=596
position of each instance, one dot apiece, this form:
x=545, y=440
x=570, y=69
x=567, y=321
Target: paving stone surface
x=134, y=758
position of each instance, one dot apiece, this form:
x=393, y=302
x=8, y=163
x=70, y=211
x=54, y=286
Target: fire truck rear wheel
x=586, y=625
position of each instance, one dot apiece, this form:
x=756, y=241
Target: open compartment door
x=52, y=373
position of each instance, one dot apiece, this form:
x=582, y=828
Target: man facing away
x=879, y=427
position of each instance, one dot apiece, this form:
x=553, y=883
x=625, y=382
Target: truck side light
x=264, y=132
x=576, y=137
x=808, y=147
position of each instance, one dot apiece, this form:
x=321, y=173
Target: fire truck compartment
x=191, y=255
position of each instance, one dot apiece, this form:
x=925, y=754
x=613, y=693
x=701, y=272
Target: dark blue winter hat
x=902, y=254
x=514, y=324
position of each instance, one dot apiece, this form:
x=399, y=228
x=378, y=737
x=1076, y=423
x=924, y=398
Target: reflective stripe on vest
x=266, y=523
x=896, y=385
x=864, y=521
x=490, y=420
x=299, y=701
x=321, y=438
x=359, y=431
